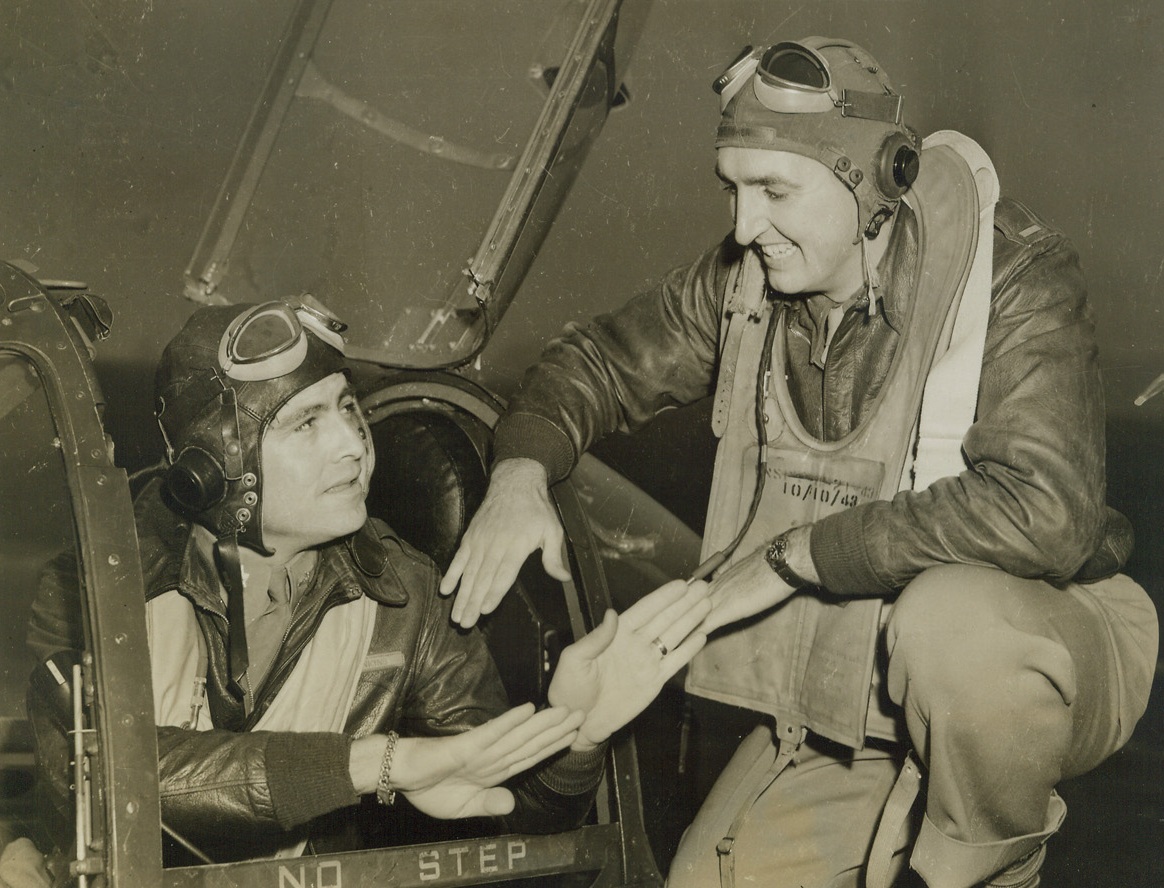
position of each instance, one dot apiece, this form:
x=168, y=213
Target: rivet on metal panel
x=115, y=560
x=120, y=638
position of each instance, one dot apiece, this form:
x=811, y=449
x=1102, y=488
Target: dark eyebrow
x=294, y=419
x=310, y=410
x=762, y=181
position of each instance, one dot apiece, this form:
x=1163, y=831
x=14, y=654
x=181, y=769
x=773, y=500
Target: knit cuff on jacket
x=308, y=775
x=575, y=773
x=839, y=553
x=533, y=437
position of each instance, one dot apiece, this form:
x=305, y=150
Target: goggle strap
x=330, y=332
x=728, y=88
x=310, y=306
x=871, y=106
x=747, y=59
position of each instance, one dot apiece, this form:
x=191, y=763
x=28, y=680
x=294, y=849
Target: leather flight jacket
x=239, y=794
x=1030, y=503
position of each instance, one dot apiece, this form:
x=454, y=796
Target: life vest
x=810, y=661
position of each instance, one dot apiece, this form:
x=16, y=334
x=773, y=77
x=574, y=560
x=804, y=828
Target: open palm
x=614, y=672
x=459, y=775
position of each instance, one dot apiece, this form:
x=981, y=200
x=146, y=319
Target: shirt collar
x=199, y=570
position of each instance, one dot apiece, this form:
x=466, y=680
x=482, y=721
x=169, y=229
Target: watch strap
x=777, y=557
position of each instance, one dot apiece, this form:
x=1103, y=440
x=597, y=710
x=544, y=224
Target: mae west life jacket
x=809, y=662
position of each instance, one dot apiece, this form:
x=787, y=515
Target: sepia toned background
x=119, y=120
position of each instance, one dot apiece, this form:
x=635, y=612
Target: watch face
x=775, y=558
x=775, y=553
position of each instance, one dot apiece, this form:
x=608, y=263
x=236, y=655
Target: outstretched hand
x=614, y=672
x=515, y=518
x=458, y=775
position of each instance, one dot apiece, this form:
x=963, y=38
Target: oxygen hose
x=763, y=374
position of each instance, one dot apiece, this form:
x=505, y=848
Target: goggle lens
x=265, y=343
x=789, y=78
x=795, y=65
x=262, y=336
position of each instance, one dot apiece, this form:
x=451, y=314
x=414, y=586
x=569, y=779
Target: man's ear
x=369, y=444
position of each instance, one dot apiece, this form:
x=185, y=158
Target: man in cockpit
x=301, y=656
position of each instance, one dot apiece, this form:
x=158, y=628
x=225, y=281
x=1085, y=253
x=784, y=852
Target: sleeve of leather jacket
x=618, y=371
x=457, y=686
x=54, y=631
x=210, y=780
x=55, y=622
x=216, y=781
x=1032, y=501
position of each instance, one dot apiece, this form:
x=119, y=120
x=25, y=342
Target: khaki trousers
x=1007, y=686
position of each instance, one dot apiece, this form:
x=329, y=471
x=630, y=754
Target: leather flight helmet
x=827, y=99
x=219, y=383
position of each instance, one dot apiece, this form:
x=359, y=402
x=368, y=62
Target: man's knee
x=945, y=611
x=962, y=629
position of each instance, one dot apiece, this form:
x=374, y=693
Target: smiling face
x=798, y=217
x=317, y=461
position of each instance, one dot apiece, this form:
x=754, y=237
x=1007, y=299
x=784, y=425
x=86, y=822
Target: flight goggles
x=270, y=340
x=794, y=78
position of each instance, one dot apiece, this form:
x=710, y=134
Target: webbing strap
x=879, y=870
x=950, y=399
x=790, y=739
x=743, y=304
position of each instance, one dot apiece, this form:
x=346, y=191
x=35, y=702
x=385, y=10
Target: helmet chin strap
x=865, y=233
x=872, y=279
x=230, y=572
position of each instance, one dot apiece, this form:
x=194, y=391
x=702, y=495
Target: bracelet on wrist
x=385, y=794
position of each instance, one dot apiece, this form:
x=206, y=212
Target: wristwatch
x=777, y=557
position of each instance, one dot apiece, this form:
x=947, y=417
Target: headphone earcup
x=898, y=164
x=195, y=481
